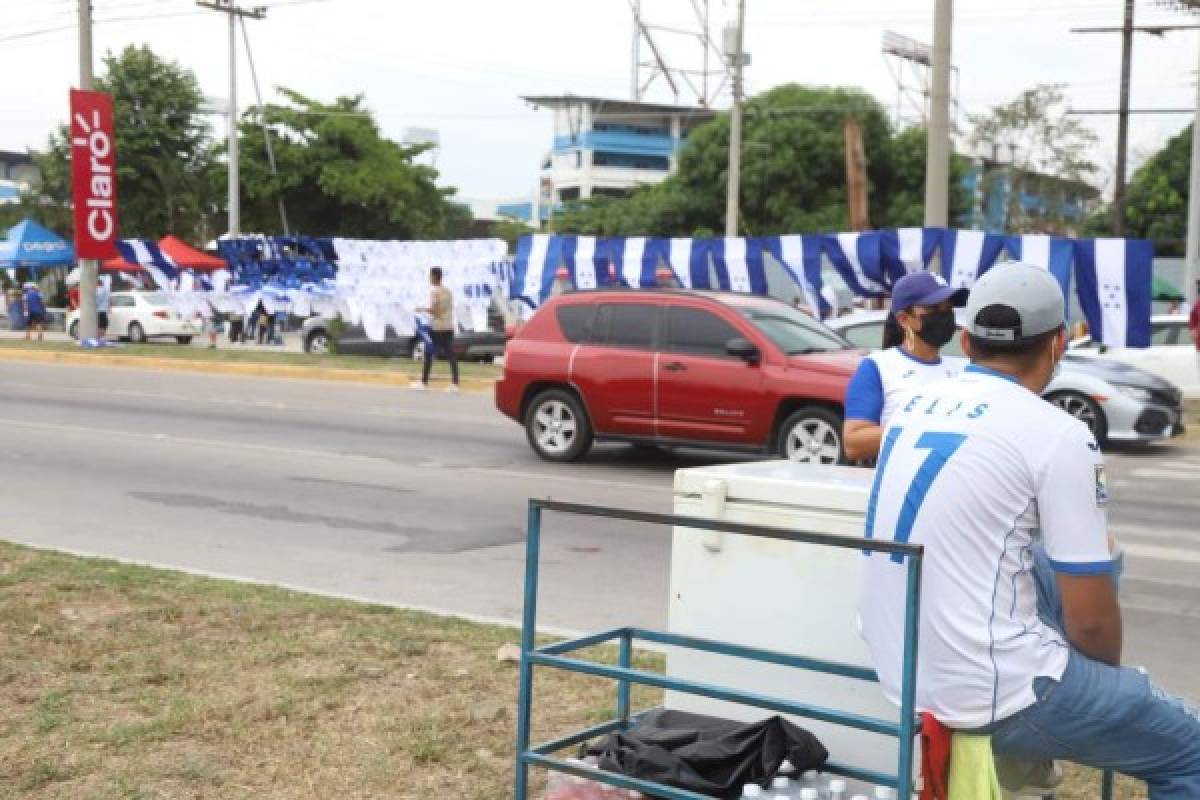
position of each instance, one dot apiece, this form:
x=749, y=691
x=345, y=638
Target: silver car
x=1117, y=402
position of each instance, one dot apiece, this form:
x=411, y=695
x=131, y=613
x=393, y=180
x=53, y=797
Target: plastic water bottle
x=752, y=790
x=836, y=790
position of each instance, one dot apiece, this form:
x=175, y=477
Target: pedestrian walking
x=102, y=305
x=35, y=312
x=441, y=325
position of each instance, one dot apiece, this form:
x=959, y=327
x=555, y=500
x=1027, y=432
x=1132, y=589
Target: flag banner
x=734, y=270
x=702, y=249
x=1113, y=280
x=905, y=250
x=93, y=173
x=679, y=257
x=579, y=254
x=1048, y=252
x=629, y=263
x=855, y=256
x=533, y=280
x=967, y=255
x=801, y=256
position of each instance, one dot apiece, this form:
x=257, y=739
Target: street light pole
x=88, y=267
x=1192, y=259
x=937, y=152
x=734, y=180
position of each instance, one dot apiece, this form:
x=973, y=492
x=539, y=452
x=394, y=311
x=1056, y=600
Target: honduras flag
x=1114, y=289
x=679, y=257
x=905, y=250
x=147, y=254
x=1048, y=252
x=967, y=255
x=801, y=257
x=856, y=258
x=635, y=262
x=534, y=274
x=579, y=254
x=739, y=265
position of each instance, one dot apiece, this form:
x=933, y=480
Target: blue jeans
x=1104, y=716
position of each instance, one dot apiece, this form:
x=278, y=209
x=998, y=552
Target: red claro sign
x=93, y=174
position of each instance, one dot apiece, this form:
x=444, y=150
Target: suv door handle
x=674, y=366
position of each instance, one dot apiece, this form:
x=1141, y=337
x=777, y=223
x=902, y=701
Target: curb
x=245, y=369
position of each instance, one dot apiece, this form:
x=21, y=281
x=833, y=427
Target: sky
x=461, y=66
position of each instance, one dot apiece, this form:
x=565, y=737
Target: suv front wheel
x=811, y=435
x=557, y=426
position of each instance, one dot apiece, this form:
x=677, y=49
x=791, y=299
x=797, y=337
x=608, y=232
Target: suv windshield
x=794, y=332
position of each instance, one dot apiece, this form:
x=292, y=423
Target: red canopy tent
x=118, y=264
x=188, y=257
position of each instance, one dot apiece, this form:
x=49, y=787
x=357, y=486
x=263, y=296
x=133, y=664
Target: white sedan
x=138, y=316
x=1171, y=354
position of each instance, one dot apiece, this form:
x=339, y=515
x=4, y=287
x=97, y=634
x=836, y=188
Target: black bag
x=706, y=754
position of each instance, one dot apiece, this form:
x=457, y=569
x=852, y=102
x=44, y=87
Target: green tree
x=1156, y=204
x=793, y=173
x=1047, y=155
x=164, y=150
x=338, y=175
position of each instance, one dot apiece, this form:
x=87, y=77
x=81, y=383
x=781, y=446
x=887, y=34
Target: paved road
x=419, y=499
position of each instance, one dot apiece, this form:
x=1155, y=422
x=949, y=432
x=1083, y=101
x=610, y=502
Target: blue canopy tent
x=31, y=246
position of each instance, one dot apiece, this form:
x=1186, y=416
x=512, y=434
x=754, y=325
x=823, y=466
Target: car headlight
x=1135, y=392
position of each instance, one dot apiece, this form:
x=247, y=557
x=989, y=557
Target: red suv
x=677, y=368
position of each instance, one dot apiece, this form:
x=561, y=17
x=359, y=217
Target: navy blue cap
x=925, y=289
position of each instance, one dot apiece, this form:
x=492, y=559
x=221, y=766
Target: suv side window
x=120, y=301
x=576, y=322
x=868, y=336
x=626, y=325
x=697, y=332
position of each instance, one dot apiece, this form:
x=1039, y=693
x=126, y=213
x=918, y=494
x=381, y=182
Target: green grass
x=199, y=354
x=129, y=682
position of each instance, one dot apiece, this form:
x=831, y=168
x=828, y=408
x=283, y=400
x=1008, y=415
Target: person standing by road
x=441, y=325
x=920, y=323
x=1194, y=324
x=102, y=304
x=35, y=312
x=1020, y=629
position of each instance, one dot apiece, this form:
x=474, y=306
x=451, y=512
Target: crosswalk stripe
x=1158, y=553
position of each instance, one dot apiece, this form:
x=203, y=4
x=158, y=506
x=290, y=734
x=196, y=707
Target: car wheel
x=1084, y=409
x=74, y=331
x=317, y=343
x=183, y=339
x=811, y=435
x=557, y=426
x=137, y=334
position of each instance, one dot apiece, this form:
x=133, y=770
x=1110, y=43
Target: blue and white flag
x=679, y=257
x=801, y=257
x=856, y=258
x=702, y=249
x=635, y=263
x=905, y=250
x=579, y=254
x=739, y=270
x=147, y=254
x=534, y=275
x=1049, y=253
x=1114, y=289
x=967, y=255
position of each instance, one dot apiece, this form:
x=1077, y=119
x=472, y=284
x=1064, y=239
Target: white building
x=608, y=147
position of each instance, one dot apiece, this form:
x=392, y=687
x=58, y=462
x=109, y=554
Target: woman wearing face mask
x=921, y=322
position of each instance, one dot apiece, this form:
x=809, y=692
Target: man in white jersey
x=1020, y=631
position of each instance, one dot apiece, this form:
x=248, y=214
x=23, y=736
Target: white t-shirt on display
x=977, y=469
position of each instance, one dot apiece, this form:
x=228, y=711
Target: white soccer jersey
x=885, y=376
x=977, y=469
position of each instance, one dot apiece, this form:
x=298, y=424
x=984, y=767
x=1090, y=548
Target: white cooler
x=796, y=598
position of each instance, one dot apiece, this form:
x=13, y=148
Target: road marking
x=1173, y=554
x=1189, y=472
x=1150, y=531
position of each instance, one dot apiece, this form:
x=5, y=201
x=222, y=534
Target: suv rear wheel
x=811, y=435
x=557, y=426
x=317, y=342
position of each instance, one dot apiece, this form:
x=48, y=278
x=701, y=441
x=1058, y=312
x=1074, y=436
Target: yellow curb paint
x=244, y=369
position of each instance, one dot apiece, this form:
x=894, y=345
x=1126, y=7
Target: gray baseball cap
x=1014, y=302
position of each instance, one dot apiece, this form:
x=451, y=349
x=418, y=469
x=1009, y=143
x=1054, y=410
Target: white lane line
x=1150, y=531
x=1187, y=472
x=1157, y=553
x=327, y=455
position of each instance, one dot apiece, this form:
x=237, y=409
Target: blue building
x=609, y=147
x=1059, y=205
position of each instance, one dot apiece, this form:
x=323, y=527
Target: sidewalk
x=291, y=342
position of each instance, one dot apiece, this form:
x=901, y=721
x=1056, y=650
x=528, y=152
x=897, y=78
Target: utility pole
x=937, y=152
x=1118, y=221
x=233, y=11
x=88, y=267
x=735, y=124
x=635, y=91
x=1192, y=255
